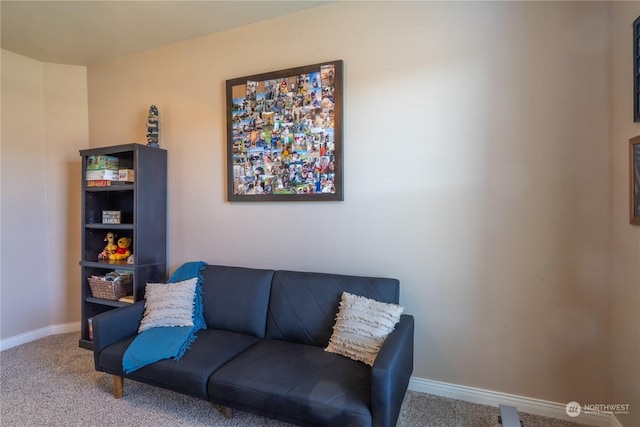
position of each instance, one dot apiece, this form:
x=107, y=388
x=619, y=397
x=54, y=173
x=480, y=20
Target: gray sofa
x=263, y=349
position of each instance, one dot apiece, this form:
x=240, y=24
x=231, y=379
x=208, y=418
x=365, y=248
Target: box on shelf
x=125, y=175
x=99, y=183
x=102, y=162
x=111, y=286
x=111, y=217
x=102, y=174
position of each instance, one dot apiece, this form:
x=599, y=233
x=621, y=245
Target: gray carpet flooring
x=52, y=382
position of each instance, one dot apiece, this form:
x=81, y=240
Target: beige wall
x=625, y=296
x=482, y=162
x=478, y=171
x=44, y=123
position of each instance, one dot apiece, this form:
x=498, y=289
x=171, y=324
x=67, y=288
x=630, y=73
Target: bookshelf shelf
x=107, y=302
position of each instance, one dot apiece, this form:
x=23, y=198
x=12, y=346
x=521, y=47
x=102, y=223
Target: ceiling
x=91, y=31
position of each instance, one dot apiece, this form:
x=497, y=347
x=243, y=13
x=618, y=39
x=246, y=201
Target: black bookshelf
x=143, y=207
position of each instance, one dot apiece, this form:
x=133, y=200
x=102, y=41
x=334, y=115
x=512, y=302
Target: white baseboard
x=529, y=405
x=38, y=333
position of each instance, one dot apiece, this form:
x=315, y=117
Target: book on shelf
x=127, y=299
x=90, y=324
x=99, y=183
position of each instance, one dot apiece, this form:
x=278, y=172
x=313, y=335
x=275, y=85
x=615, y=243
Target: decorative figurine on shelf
x=153, y=128
x=110, y=248
x=123, y=251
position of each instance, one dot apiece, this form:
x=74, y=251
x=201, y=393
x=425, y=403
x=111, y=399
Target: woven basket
x=109, y=289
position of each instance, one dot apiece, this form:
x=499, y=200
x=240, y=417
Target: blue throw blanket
x=163, y=343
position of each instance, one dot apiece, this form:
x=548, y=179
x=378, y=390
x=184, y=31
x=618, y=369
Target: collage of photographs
x=283, y=134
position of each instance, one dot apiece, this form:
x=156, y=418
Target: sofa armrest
x=115, y=325
x=391, y=372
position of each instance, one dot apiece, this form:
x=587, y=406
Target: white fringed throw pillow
x=168, y=304
x=362, y=325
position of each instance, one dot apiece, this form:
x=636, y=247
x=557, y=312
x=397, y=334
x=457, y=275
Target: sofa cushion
x=362, y=326
x=168, y=304
x=236, y=298
x=296, y=383
x=189, y=375
x=303, y=306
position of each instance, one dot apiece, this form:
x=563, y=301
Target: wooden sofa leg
x=224, y=410
x=118, y=383
x=227, y=412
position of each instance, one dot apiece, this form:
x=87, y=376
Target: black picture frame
x=634, y=180
x=636, y=70
x=284, y=135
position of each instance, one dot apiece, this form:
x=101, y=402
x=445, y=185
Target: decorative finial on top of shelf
x=153, y=127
